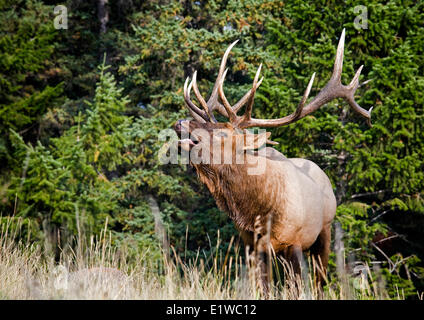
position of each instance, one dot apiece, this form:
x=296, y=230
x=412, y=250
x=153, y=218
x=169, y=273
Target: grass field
x=94, y=270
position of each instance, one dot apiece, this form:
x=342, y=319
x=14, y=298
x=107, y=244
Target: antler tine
x=355, y=81
x=302, y=102
x=197, y=114
x=332, y=90
x=245, y=98
x=338, y=62
x=212, y=102
x=231, y=114
x=353, y=85
x=220, y=108
x=248, y=113
x=200, y=98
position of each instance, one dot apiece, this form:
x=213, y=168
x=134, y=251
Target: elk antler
x=197, y=114
x=332, y=90
x=212, y=103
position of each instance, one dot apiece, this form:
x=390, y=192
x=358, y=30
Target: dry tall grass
x=97, y=271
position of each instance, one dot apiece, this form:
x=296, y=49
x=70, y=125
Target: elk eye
x=221, y=134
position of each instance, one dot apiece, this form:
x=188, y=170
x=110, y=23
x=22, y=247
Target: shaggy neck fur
x=237, y=193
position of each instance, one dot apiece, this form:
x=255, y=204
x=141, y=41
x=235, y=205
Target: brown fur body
x=294, y=193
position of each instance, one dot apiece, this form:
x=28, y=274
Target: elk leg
x=247, y=237
x=320, y=251
x=262, y=260
x=293, y=256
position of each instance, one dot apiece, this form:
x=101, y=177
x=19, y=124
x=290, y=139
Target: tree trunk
x=103, y=14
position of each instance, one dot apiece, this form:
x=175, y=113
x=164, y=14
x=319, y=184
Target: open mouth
x=192, y=141
x=182, y=129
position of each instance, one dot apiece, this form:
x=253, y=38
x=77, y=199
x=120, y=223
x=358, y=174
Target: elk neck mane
x=239, y=194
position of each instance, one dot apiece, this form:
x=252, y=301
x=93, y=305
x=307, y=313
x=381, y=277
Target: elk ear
x=255, y=141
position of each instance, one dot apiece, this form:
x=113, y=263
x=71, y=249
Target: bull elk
x=294, y=195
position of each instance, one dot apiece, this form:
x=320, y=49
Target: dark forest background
x=81, y=110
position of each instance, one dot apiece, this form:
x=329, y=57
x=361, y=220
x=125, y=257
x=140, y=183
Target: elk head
x=205, y=129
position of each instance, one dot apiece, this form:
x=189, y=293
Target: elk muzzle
x=182, y=128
